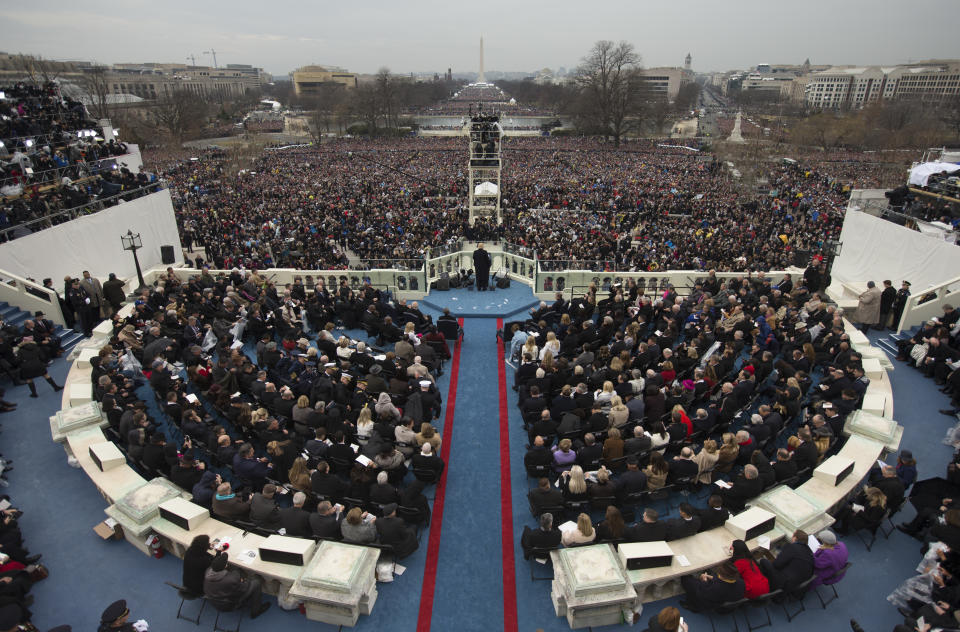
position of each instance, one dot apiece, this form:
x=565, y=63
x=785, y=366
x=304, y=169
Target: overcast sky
x=520, y=35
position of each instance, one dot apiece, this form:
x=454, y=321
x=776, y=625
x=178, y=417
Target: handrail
x=36, y=138
x=153, y=187
x=916, y=312
x=90, y=165
x=30, y=296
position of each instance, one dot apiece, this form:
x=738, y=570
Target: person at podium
x=481, y=267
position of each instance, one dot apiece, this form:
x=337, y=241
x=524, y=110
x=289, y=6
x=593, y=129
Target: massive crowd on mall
x=641, y=206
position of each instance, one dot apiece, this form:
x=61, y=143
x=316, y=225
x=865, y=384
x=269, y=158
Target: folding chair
x=729, y=608
x=763, y=601
x=796, y=596
x=832, y=586
x=186, y=595
x=539, y=554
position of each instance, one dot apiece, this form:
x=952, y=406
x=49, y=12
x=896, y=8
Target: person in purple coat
x=829, y=558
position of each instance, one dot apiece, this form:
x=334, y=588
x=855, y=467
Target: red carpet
x=506, y=500
x=436, y=520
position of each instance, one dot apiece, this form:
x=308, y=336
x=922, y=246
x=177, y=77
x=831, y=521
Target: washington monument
x=481, y=78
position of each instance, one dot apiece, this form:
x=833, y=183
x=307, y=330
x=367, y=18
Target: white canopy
x=485, y=188
x=920, y=175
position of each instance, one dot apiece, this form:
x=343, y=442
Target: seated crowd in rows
x=53, y=158
x=741, y=386
x=307, y=435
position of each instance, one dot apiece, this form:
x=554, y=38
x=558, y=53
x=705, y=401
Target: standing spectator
x=868, y=309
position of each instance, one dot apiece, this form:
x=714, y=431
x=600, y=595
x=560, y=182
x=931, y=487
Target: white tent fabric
x=920, y=175
x=485, y=188
x=876, y=249
x=93, y=242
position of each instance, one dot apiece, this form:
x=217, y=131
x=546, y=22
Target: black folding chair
x=831, y=586
x=185, y=596
x=412, y=516
x=889, y=518
x=729, y=608
x=540, y=554
x=796, y=596
x=763, y=601
x=872, y=530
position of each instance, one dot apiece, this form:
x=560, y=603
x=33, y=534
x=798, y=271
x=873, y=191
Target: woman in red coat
x=756, y=582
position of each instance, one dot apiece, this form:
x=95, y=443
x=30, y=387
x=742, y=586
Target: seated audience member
x=686, y=525
x=612, y=527
x=228, y=505
x=263, y=508
x=706, y=461
x=295, y=520
x=583, y=534
x=574, y=484
x=358, y=527
x=746, y=486
x=647, y=529
x=196, y=561
x=544, y=495
x=230, y=590
x=667, y=620
x=605, y=487
x=325, y=521
x=427, y=461
x=829, y=559
x=545, y=536
x=714, y=514
x=656, y=471
x=393, y=531
x=792, y=566
x=755, y=583
x=708, y=591
x=683, y=467
x=785, y=467
x=412, y=498
x=866, y=510
x=563, y=456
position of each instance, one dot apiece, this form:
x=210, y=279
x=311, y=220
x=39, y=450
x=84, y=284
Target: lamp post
x=133, y=243
x=831, y=248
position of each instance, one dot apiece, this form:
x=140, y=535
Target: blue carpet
x=516, y=299
x=87, y=573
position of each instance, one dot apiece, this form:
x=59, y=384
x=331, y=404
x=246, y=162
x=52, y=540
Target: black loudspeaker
x=443, y=284
x=166, y=255
x=503, y=282
x=801, y=258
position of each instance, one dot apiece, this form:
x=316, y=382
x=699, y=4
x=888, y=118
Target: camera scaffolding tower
x=485, y=134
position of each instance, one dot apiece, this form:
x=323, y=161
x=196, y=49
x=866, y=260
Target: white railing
x=503, y=257
x=30, y=297
x=923, y=305
x=406, y=284
x=573, y=282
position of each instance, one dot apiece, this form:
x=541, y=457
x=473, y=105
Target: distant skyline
x=423, y=37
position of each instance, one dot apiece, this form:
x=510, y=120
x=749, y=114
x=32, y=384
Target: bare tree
x=610, y=86
x=387, y=95
x=97, y=86
x=950, y=115
x=366, y=105
x=180, y=114
x=39, y=71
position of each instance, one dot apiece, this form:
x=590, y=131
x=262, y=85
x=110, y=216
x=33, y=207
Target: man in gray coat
x=228, y=590
x=868, y=309
x=95, y=292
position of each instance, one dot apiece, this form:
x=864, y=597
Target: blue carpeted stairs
x=12, y=315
